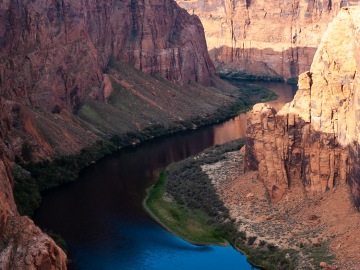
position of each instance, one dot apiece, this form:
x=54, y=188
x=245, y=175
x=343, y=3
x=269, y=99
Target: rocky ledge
x=53, y=59
x=53, y=53
x=311, y=142
x=264, y=39
x=310, y=148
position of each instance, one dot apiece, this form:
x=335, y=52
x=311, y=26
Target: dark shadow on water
x=102, y=219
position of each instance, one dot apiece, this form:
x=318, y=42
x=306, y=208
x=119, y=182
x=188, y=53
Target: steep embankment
x=22, y=244
x=264, y=39
x=53, y=53
x=311, y=145
x=56, y=98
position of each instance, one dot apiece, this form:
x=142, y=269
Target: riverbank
x=146, y=122
x=247, y=219
x=184, y=202
x=190, y=225
x=318, y=230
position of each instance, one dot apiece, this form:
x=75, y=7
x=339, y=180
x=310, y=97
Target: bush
x=33, y=178
x=271, y=247
x=262, y=243
x=251, y=240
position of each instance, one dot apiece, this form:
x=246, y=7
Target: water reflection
x=236, y=127
x=101, y=216
x=284, y=91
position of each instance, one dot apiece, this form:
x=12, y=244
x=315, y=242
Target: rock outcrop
x=53, y=56
x=311, y=144
x=264, y=39
x=53, y=53
x=22, y=244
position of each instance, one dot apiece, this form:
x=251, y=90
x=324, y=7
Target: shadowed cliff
x=73, y=73
x=53, y=53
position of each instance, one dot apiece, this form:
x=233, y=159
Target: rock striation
x=53, y=59
x=311, y=144
x=264, y=39
x=22, y=244
x=53, y=53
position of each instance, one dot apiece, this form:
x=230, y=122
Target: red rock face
x=264, y=39
x=22, y=244
x=53, y=53
x=312, y=143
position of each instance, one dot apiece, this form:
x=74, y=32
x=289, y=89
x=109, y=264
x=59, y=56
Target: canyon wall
x=311, y=144
x=22, y=244
x=53, y=53
x=264, y=39
x=53, y=59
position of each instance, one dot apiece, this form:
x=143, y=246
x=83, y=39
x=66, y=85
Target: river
x=101, y=218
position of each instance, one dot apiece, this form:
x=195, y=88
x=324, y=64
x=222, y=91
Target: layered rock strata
x=53, y=53
x=264, y=39
x=311, y=144
x=22, y=244
x=53, y=56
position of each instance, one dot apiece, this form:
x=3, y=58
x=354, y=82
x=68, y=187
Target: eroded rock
x=311, y=144
x=52, y=53
x=264, y=39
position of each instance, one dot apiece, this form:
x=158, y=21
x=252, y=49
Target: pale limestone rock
x=269, y=39
x=312, y=142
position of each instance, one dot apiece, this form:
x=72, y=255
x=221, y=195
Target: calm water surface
x=101, y=218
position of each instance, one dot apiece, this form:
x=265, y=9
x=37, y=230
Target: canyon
x=73, y=73
x=309, y=148
x=66, y=67
x=311, y=142
x=272, y=40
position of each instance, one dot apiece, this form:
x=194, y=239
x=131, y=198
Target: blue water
x=155, y=249
x=101, y=217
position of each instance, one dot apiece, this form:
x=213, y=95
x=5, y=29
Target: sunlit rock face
x=311, y=144
x=264, y=39
x=53, y=53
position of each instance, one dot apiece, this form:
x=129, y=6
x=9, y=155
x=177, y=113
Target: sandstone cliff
x=264, y=39
x=311, y=144
x=22, y=244
x=55, y=97
x=53, y=53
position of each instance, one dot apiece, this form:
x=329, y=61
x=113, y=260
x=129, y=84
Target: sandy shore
x=296, y=222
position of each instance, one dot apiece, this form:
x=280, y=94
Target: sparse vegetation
x=319, y=254
x=191, y=224
x=191, y=191
x=33, y=178
x=194, y=212
x=123, y=120
x=251, y=240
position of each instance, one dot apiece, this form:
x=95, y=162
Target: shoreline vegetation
x=184, y=201
x=185, y=194
x=243, y=76
x=34, y=178
x=190, y=225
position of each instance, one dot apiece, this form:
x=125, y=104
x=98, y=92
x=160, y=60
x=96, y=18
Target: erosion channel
x=101, y=217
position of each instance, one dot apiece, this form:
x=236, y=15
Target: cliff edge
x=53, y=53
x=264, y=39
x=55, y=57
x=307, y=154
x=312, y=143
